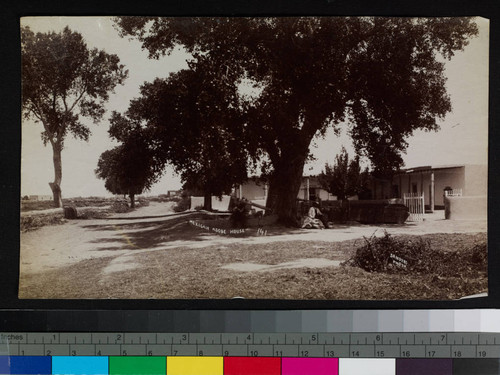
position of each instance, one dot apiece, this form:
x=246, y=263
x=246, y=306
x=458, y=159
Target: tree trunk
x=207, y=202
x=56, y=185
x=284, y=188
x=132, y=200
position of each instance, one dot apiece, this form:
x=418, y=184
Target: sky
x=462, y=138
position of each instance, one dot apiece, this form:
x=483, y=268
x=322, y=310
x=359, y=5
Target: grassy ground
x=191, y=273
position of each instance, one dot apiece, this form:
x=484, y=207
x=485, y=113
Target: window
x=395, y=191
x=312, y=194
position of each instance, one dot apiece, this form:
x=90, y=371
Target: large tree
x=63, y=80
x=382, y=77
x=197, y=127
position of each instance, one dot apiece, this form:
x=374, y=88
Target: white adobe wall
x=452, y=177
x=251, y=190
x=476, y=180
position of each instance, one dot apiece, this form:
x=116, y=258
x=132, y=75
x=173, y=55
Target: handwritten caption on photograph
x=215, y=229
x=398, y=261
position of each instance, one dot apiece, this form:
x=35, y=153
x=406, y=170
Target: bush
x=70, y=212
x=92, y=214
x=143, y=202
x=183, y=204
x=37, y=221
x=239, y=216
x=392, y=255
x=120, y=206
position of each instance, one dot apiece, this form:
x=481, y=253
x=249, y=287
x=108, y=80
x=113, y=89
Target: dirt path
x=123, y=237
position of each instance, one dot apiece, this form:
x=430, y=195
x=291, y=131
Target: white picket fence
x=416, y=206
x=453, y=193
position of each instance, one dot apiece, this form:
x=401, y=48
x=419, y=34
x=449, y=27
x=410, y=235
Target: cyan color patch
x=80, y=365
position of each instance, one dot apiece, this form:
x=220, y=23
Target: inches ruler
x=314, y=344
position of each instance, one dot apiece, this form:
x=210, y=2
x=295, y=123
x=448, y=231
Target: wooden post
x=307, y=189
x=432, y=191
x=421, y=183
x=241, y=191
x=400, y=186
x=266, y=189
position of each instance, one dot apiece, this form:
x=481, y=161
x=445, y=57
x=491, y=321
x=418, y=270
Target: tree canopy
x=382, y=77
x=344, y=177
x=63, y=80
x=197, y=127
x=130, y=168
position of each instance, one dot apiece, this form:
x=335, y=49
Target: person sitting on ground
x=315, y=212
x=312, y=221
x=239, y=215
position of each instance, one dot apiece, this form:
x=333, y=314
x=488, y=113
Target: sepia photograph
x=283, y=158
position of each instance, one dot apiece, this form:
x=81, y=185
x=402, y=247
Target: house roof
x=430, y=168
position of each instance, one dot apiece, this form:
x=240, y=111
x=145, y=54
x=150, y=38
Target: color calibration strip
x=244, y=366
x=203, y=321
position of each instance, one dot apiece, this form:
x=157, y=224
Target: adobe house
x=256, y=190
x=432, y=181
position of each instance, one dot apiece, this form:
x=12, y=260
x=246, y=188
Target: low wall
x=380, y=211
x=466, y=208
x=217, y=204
x=377, y=212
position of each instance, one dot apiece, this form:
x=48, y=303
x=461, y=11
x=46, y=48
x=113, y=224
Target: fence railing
x=415, y=204
x=453, y=193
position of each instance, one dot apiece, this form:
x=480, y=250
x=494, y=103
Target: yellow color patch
x=195, y=365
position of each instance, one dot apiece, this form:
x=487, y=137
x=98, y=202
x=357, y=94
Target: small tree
x=62, y=80
x=129, y=168
x=345, y=178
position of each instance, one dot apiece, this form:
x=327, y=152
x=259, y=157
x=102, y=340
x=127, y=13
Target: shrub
x=183, y=204
x=37, y=221
x=142, y=201
x=393, y=255
x=120, y=206
x=239, y=216
x=92, y=214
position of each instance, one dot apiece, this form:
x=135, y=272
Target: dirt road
x=52, y=247
x=123, y=240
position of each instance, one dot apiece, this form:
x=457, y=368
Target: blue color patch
x=30, y=365
x=4, y=365
x=79, y=365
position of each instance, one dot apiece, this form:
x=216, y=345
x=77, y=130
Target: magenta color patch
x=308, y=366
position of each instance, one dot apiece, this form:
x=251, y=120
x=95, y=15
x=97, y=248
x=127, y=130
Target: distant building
x=173, y=193
x=433, y=181
x=40, y=197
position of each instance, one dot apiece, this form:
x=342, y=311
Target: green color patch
x=137, y=365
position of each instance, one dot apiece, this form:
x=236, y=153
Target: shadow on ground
x=152, y=234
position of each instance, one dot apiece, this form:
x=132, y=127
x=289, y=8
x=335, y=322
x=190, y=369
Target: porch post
x=266, y=189
x=241, y=191
x=432, y=191
x=400, y=186
x=421, y=182
x=307, y=189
